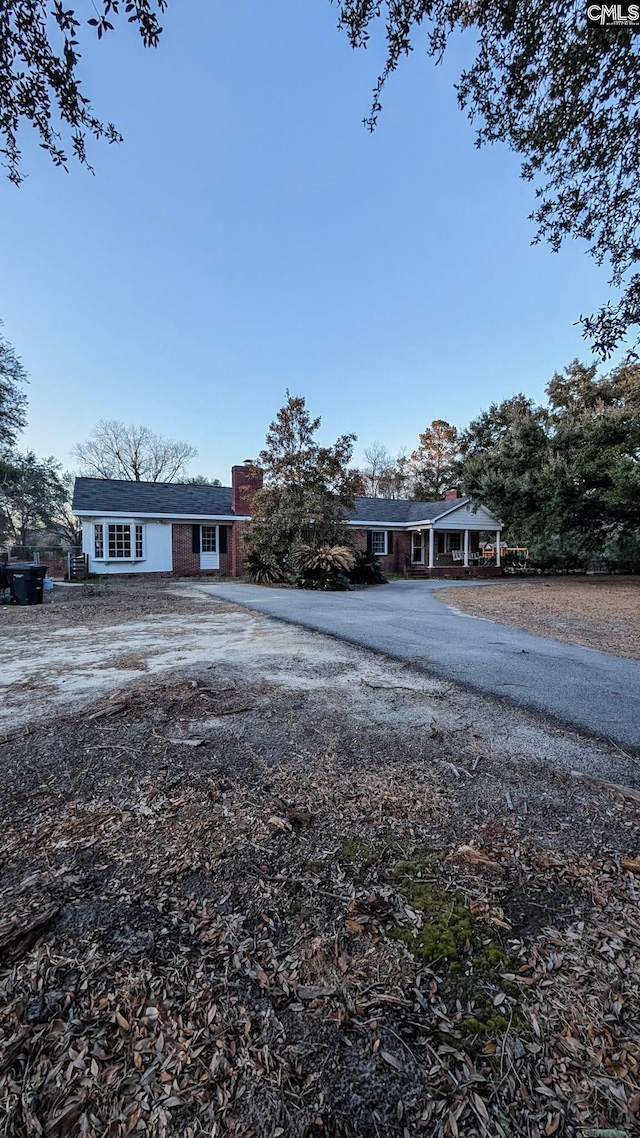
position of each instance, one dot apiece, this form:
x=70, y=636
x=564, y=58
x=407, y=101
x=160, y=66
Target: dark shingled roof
x=110, y=495
x=374, y=510
x=175, y=499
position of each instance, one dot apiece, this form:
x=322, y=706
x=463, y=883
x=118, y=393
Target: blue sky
x=249, y=235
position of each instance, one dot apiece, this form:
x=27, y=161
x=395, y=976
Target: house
x=187, y=530
x=428, y=539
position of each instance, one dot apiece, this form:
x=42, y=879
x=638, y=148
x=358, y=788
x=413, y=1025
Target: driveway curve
x=590, y=691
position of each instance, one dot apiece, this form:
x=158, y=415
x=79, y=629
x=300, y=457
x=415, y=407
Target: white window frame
x=212, y=536
x=137, y=539
x=98, y=541
x=385, y=541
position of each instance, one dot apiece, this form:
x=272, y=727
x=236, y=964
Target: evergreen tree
x=434, y=462
x=307, y=488
x=13, y=401
x=564, y=478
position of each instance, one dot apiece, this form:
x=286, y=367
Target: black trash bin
x=26, y=583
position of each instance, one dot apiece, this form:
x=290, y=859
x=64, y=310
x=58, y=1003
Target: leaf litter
x=222, y=939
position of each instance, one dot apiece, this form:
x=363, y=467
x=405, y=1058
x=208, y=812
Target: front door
x=417, y=548
x=209, y=556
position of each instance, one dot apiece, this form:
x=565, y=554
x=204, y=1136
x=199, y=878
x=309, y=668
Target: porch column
x=431, y=547
x=498, y=547
x=466, y=548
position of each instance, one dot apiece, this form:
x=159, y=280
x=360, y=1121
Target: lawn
x=255, y=882
x=598, y=612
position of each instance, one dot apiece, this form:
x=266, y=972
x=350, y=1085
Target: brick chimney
x=449, y=495
x=245, y=480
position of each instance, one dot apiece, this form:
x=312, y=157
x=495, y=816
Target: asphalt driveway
x=591, y=691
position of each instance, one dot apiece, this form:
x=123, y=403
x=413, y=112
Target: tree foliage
x=433, y=463
x=424, y=475
x=565, y=97
x=201, y=480
x=33, y=496
x=40, y=83
x=135, y=454
x=564, y=477
x=307, y=489
x=13, y=401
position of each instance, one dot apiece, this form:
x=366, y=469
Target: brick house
x=157, y=527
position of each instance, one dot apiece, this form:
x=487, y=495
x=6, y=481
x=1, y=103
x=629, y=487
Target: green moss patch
x=464, y=950
x=358, y=851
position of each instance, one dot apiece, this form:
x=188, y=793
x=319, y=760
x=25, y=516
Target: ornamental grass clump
x=366, y=570
x=322, y=567
x=264, y=570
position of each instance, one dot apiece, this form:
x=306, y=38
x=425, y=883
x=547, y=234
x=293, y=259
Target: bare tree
x=379, y=464
x=395, y=480
x=135, y=454
x=385, y=476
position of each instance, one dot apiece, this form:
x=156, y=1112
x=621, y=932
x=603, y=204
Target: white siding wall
x=158, y=557
x=464, y=517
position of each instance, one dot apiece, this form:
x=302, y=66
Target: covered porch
x=438, y=550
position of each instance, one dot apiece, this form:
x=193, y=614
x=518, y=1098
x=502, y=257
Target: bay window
x=123, y=541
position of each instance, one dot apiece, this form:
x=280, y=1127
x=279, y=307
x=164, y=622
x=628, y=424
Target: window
x=120, y=541
x=379, y=542
x=447, y=542
x=209, y=544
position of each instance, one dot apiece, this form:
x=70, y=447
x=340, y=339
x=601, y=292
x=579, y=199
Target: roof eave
x=95, y=513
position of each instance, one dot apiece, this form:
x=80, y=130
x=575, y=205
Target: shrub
x=367, y=570
x=322, y=567
x=264, y=570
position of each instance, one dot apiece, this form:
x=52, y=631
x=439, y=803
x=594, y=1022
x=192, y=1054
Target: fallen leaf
x=314, y=992
x=391, y=1060
x=471, y=856
x=354, y=927
x=279, y=823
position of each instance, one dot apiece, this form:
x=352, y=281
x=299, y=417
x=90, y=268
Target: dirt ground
x=597, y=612
x=255, y=882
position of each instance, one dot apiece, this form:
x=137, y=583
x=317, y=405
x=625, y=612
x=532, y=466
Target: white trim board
x=196, y=519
